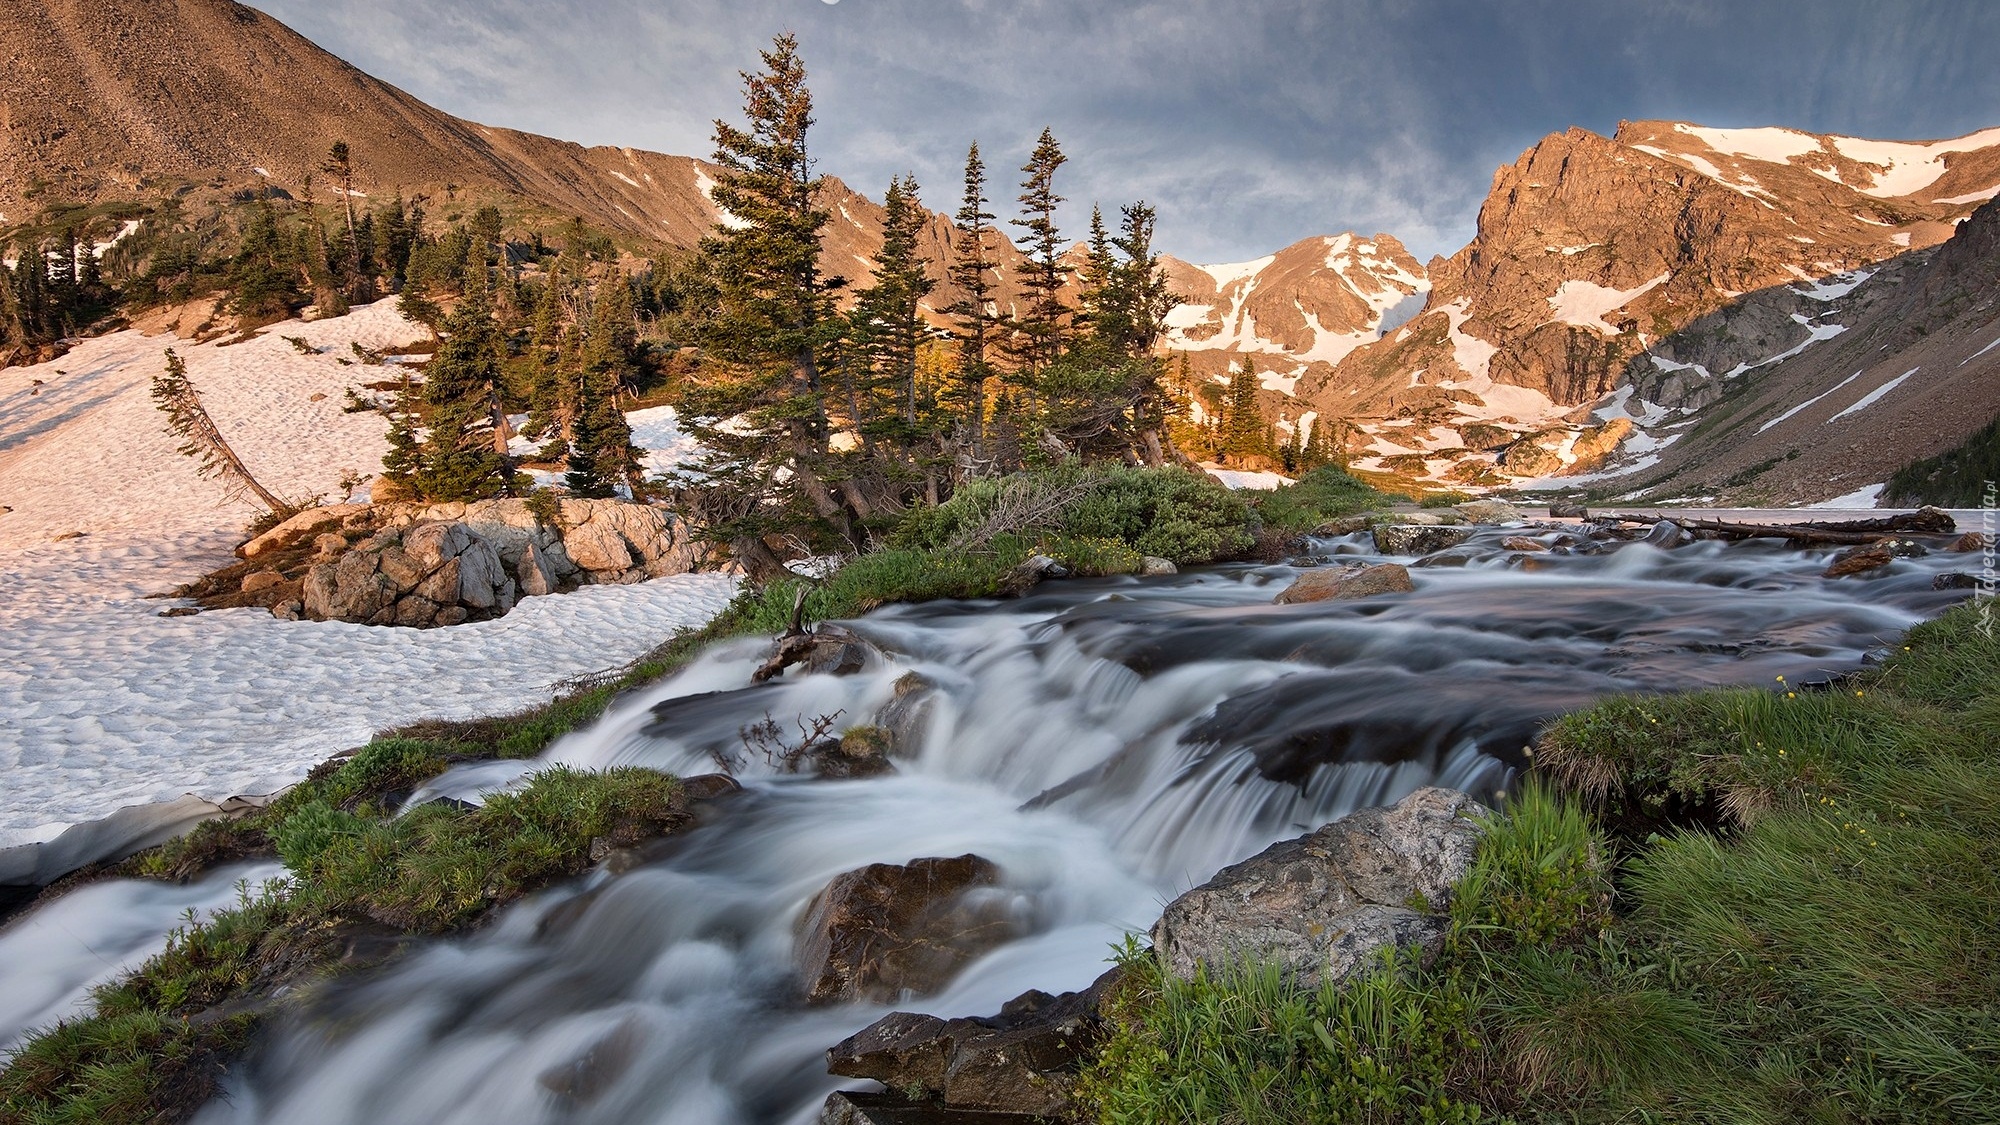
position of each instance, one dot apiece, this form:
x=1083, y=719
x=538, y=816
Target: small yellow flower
x=1857, y=695
x=1791, y=695
x=1781, y=679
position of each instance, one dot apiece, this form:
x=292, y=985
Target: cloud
x=1249, y=125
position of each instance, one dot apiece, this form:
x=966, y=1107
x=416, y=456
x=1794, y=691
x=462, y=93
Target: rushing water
x=1106, y=743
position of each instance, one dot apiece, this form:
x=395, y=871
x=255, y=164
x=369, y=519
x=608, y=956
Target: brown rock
x=1860, y=560
x=1418, y=539
x=1523, y=543
x=886, y=928
x=261, y=580
x=709, y=786
x=1347, y=583
x=328, y=546
x=1970, y=541
x=300, y=527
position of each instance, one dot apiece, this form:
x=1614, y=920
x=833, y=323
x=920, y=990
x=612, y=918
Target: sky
x=1248, y=124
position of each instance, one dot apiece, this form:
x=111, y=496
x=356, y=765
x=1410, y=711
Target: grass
x=1816, y=940
x=156, y=1044
x=1323, y=495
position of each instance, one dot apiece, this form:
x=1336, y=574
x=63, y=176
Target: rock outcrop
x=441, y=564
x=889, y=929
x=1418, y=539
x=1323, y=906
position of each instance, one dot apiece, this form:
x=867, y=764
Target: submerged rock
x=1667, y=535
x=886, y=929
x=1347, y=583
x=1860, y=560
x=1323, y=906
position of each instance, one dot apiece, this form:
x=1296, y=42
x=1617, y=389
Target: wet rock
x=858, y=1107
x=583, y=1079
x=1029, y=573
x=1562, y=511
x=1970, y=541
x=1456, y=557
x=860, y=752
x=887, y=929
x=1859, y=560
x=709, y=786
x=907, y=715
x=1667, y=535
x=1957, y=580
x=1522, y=543
x=1153, y=566
x=837, y=651
x=1022, y=1061
x=1418, y=539
x=1903, y=548
x=1323, y=906
x=1488, y=511
x=1347, y=583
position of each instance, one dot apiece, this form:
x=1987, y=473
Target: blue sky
x=1248, y=124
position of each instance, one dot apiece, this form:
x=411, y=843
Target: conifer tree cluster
x=54, y=289
x=840, y=420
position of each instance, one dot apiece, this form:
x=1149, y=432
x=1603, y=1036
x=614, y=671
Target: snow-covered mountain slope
x=1798, y=393
x=108, y=704
x=1590, y=250
x=1307, y=305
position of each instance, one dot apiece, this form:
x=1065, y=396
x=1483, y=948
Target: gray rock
x=1153, y=566
x=887, y=929
x=1418, y=539
x=860, y=1107
x=1667, y=535
x=533, y=572
x=1562, y=511
x=1488, y=511
x=1324, y=905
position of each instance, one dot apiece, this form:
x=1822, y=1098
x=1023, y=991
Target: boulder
x=299, y=528
x=1970, y=541
x=1022, y=1061
x=1323, y=906
x=258, y=580
x=1456, y=557
x=598, y=548
x=1563, y=511
x=1859, y=560
x=1666, y=535
x=907, y=715
x=887, y=929
x=533, y=572
x=1153, y=566
x=1958, y=580
x=328, y=546
x=1488, y=511
x=1523, y=543
x=1418, y=539
x=1347, y=583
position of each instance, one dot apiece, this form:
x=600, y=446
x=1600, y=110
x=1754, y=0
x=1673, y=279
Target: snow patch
x=1874, y=396
x=1808, y=402
x=1835, y=286
x=1908, y=167
x=1867, y=497
x=1980, y=196
x=1257, y=482
x=1584, y=303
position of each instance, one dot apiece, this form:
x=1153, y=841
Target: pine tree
x=201, y=439
x=600, y=442
x=976, y=314
x=775, y=314
x=1244, y=433
x=887, y=322
x=462, y=454
x=1042, y=324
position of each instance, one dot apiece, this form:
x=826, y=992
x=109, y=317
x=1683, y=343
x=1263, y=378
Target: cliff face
x=1592, y=250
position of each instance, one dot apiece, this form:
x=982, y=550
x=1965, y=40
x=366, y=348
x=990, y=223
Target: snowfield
x=108, y=704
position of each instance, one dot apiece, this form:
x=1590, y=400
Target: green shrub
x=1326, y=493
x=1187, y=518
x=1542, y=875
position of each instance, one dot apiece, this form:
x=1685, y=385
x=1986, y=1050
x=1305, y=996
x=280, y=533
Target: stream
x=1107, y=743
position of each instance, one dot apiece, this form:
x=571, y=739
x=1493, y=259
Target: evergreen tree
x=1244, y=433
x=600, y=443
x=201, y=439
x=976, y=314
x=462, y=454
x=887, y=323
x=264, y=273
x=393, y=237
x=763, y=415
x=1041, y=325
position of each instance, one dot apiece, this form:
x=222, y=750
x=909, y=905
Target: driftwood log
x=1926, y=521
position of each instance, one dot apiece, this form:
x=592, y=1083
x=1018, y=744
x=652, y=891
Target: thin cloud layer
x=1248, y=125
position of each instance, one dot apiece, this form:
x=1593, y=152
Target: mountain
x=137, y=99
x=1901, y=361
x=1590, y=250
x=1295, y=312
